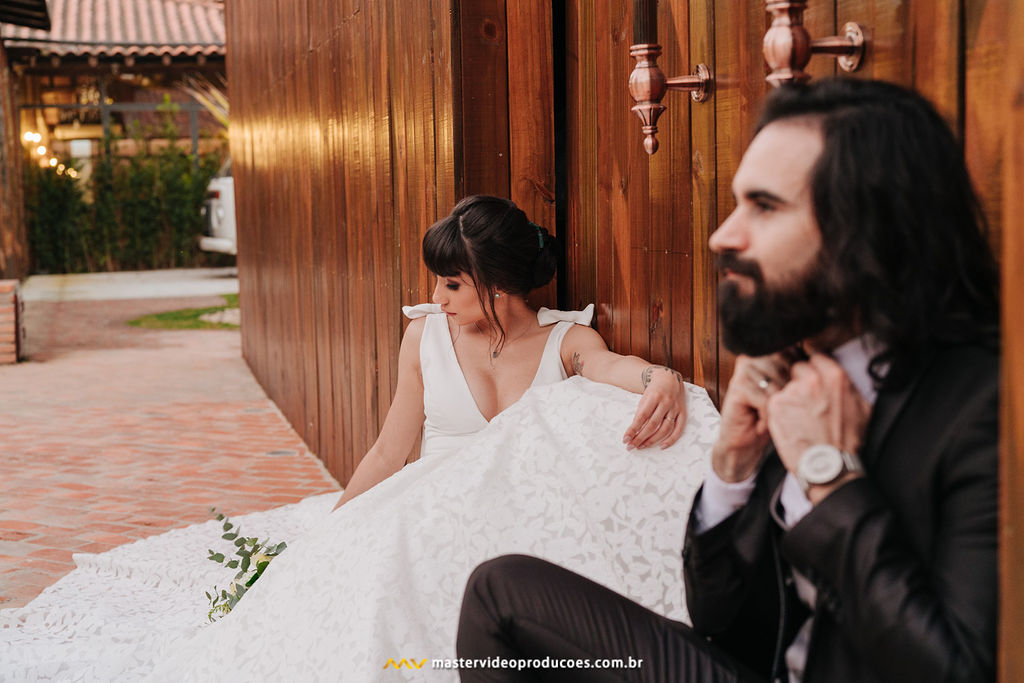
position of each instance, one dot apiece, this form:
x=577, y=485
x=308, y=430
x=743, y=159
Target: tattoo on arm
x=645, y=377
x=577, y=363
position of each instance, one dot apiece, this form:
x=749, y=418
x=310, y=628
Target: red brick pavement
x=110, y=433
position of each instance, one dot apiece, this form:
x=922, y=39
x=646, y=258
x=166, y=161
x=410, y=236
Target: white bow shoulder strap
x=420, y=310
x=545, y=316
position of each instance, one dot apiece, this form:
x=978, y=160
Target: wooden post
x=1011, y=550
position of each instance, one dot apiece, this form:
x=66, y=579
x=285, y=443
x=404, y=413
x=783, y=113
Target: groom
x=847, y=528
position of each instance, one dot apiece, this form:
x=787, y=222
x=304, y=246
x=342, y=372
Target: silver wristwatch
x=823, y=464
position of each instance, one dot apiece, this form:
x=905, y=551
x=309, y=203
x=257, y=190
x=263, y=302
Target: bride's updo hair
x=491, y=240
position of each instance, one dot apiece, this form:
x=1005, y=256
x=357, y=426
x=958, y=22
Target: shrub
x=133, y=213
x=57, y=221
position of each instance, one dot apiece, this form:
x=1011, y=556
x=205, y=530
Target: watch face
x=821, y=465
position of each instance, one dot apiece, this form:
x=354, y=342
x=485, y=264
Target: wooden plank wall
x=13, y=240
x=628, y=230
x=343, y=157
x=1011, y=585
x=638, y=227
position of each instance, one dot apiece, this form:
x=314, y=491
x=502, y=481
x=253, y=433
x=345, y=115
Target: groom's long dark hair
x=903, y=232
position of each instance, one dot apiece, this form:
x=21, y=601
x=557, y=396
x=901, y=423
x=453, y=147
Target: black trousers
x=523, y=608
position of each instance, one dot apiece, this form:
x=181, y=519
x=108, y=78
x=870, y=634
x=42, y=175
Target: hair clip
x=540, y=235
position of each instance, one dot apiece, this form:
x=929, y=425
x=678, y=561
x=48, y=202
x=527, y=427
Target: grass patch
x=187, y=318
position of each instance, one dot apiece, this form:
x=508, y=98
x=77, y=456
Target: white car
x=219, y=212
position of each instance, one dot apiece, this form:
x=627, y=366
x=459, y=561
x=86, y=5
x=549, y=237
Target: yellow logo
x=405, y=664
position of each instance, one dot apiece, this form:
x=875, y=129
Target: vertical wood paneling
x=336, y=443
x=531, y=123
x=346, y=371
x=610, y=279
x=581, y=238
x=325, y=251
x=662, y=221
x=360, y=209
x=1011, y=584
x=704, y=214
x=340, y=166
x=672, y=235
x=381, y=359
x=631, y=240
x=481, y=96
x=617, y=180
x=986, y=38
x=631, y=217
x=936, y=33
x=443, y=103
x=13, y=240
x=301, y=117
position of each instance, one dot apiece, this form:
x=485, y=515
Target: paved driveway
x=109, y=433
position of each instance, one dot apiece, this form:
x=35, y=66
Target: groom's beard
x=771, y=319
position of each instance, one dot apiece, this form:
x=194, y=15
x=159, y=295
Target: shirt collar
x=855, y=358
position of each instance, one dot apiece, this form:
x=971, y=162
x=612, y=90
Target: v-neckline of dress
x=465, y=382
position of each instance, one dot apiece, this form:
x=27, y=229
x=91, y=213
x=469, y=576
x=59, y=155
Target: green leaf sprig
x=252, y=557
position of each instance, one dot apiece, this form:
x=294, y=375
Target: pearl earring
x=497, y=295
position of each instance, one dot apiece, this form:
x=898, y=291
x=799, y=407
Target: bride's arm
x=403, y=424
x=661, y=415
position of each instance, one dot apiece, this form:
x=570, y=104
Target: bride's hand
x=661, y=415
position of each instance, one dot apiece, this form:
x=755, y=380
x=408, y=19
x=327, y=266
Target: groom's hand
x=661, y=416
x=819, y=406
x=744, y=434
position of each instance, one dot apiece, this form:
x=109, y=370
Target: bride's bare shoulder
x=409, y=351
x=582, y=336
x=415, y=327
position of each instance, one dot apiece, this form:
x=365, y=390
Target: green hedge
x=133, y=213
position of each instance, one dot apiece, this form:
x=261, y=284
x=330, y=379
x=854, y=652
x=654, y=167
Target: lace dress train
x=383, y=577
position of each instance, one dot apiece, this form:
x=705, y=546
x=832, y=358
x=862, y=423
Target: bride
x=513, y=461
x=483, y=346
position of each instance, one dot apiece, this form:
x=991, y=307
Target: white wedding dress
x=382, y=578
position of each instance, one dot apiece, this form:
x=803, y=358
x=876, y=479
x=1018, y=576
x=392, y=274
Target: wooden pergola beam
x=30, y=13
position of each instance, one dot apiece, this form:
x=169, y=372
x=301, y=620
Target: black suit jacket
x=904, y=559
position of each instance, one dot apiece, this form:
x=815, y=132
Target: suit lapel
x=887, y=409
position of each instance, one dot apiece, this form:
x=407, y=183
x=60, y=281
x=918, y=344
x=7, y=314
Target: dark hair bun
x=547, y=259
x=493, y=241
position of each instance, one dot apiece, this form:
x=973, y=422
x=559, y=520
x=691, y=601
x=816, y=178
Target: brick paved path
x=110, y=433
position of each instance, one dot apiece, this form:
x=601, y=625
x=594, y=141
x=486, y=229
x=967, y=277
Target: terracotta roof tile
x=126, y=27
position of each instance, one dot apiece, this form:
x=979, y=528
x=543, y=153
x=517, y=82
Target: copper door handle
x=788, y=46
x=647, y=82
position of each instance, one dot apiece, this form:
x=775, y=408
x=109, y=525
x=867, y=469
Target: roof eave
x=29, y=13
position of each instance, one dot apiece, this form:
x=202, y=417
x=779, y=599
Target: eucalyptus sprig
x=253, y=558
